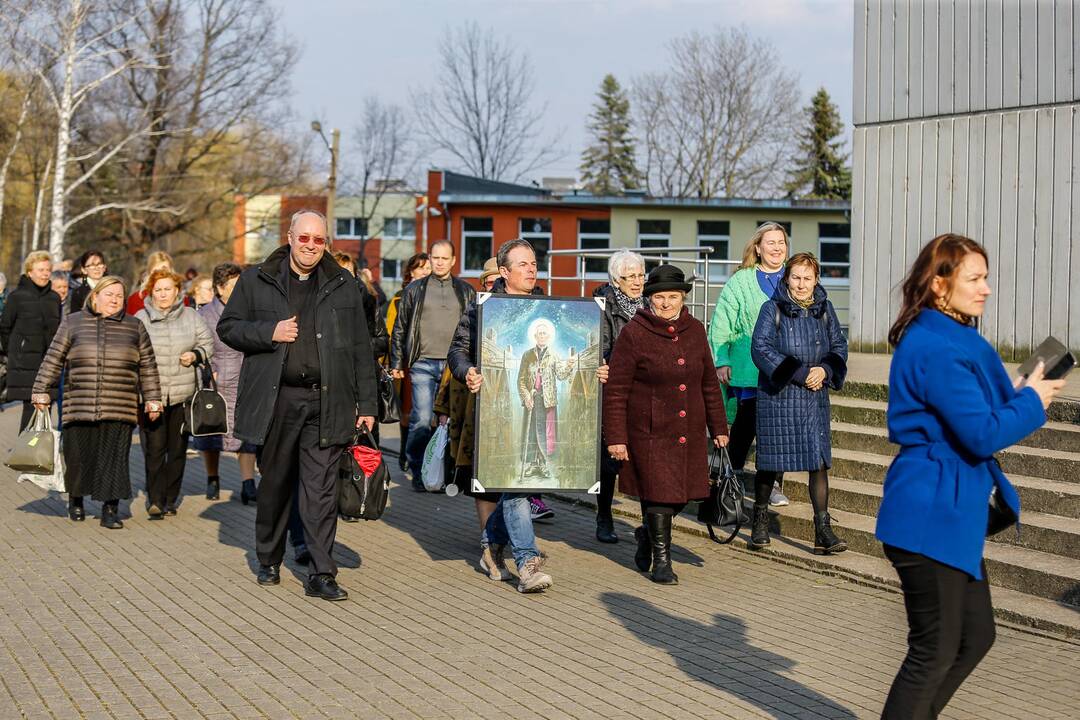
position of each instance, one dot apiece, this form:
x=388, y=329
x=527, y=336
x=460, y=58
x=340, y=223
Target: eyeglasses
x=90, y=266
x=632, y=278
x=305, y=239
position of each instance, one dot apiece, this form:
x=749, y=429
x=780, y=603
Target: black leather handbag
x=389, y=407
x=724, y=506
x=206, y=412
x=363, y=480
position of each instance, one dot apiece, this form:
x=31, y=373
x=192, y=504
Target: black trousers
x=291, y=462
x=951, y=628
x=164, y=444
x=743, y=431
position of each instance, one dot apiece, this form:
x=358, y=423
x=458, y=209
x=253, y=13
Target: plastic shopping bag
x=433, y=471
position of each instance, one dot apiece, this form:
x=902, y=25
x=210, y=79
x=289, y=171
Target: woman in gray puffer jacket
x=181, y=341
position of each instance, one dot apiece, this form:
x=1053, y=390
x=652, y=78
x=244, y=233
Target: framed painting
x=538, y=409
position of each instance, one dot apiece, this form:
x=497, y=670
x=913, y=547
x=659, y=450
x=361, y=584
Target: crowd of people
x=296, y=345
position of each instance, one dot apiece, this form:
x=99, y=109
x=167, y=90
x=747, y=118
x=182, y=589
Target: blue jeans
x=424, y=375
x=511, y=524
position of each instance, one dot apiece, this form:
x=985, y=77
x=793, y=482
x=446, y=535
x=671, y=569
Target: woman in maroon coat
x=661, y=394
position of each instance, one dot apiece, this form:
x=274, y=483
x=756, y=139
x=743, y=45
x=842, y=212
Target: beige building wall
x=742, y=224
x=262, y=224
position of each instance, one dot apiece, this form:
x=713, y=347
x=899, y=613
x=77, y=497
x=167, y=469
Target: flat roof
x=644, y=202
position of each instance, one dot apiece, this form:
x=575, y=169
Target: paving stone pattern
x=164, y=620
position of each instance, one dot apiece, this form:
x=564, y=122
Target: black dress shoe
x=109, y=517
x=349, y=518
x=325, y=587
x=76, y=512
x=269, y=575
x=213, y=488
x=154, y=511
x=170, y=510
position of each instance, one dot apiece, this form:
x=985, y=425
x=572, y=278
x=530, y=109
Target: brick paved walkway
x=164, y=619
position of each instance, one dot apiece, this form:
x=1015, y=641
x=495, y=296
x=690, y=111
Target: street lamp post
x=331, y=182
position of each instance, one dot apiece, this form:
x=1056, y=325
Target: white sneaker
x=530, y=579
x=491, y=562
x=776, y=497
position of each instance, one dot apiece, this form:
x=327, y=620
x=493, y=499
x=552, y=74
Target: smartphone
x=1056, y=358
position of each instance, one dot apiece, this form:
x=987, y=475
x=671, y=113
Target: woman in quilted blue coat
x=801, y=351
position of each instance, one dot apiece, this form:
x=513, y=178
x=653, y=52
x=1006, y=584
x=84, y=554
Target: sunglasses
x=304, y=239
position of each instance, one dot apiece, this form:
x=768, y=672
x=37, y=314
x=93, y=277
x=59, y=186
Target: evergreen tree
x=821, y=164
x=607, y=165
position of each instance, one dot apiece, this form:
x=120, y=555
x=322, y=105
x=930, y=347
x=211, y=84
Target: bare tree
x=384, y=156
x=480, y=110
x=721, y=120
x=216, y=98
x=73, y=56
x=16, y=138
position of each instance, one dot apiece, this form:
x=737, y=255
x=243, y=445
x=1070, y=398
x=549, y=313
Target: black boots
x=605, y=530
x=109, y=516
x=643, y=556
x=75, y=509
x=213, y=487
x=659, y=527
x=825, y=540
x=248, y=492
x=759, y=532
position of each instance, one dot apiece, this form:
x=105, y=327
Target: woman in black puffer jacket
x=31, y=317
x=801, y=351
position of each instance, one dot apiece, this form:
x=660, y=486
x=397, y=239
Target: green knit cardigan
x=732, y=326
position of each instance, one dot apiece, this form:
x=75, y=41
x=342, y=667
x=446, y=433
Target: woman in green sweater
x=732, y=328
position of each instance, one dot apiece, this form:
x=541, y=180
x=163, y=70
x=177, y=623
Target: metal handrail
x=702, y=252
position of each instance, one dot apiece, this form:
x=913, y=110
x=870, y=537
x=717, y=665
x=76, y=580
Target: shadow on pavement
x=720, y=655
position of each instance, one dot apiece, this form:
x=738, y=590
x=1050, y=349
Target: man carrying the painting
x=538, y=373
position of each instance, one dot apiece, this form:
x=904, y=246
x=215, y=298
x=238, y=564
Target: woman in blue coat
x=951, y=407
x=801, y=352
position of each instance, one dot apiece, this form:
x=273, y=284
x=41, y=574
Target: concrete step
x=1063, y=410
x=1050, y=576
x=1011, y=606
x=1039, y=531
x=871, y=413
x=871, y=467
x=1032, y=461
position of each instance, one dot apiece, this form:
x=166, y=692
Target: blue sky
x=354, y=48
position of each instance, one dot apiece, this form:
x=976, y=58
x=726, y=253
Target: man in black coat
x=428, y=312
x=306, y=384
x=29, y=321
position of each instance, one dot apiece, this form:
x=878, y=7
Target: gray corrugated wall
x=966, y=121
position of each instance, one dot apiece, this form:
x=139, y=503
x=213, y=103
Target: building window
x=352, y=227
x=653, y=234
x=476, y=239
x=717, y=235
x=399, y=228
x=391, y=269
x=594, y=235
x=538, y=232
x=785, y=225
x=834, y=243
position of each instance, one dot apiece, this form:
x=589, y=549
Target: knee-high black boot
x=659, y=526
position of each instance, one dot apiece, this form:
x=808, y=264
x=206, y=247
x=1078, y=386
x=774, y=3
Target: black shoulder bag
x=724, y=506
x=206, y=412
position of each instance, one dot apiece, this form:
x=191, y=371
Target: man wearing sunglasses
x=307, y=383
